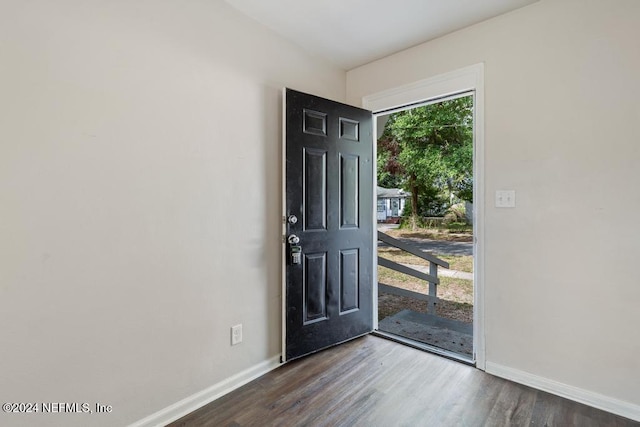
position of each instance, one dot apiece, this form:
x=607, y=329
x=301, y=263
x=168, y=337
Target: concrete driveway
x=441, y=246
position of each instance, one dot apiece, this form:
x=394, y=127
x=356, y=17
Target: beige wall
x=139, y=199
x=562, y=112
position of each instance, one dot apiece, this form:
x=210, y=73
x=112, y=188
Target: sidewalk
x=445, y=272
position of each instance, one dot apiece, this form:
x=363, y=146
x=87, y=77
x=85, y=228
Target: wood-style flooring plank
x=373, y=382
x=513, y=407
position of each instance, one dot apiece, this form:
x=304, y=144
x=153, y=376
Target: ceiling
x=351, y=33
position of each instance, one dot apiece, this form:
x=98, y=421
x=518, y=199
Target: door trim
x=446, y=85
x=283, y=229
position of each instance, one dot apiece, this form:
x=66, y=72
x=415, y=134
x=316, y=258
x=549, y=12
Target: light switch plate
x=505, y=198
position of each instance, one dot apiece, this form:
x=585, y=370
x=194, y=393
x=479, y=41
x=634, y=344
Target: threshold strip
x=426, y=347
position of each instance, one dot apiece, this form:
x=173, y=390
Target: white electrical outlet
x=236, y=334
x=505, y=199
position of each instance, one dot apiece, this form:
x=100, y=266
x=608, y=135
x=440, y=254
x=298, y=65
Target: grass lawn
x=463, y=235
x=451, y=289
x=459, y=263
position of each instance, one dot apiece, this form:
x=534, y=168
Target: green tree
x=428, y=151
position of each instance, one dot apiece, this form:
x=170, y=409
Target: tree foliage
x=428, y=151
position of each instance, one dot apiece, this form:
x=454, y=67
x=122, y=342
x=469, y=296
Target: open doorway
x=425, y=176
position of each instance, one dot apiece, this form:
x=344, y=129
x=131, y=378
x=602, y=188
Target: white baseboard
x=596, y=400
x=198, y=400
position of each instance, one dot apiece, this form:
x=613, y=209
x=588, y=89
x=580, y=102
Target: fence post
x=433, y=289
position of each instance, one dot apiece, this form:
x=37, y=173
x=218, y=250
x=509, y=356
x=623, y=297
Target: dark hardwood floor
x=375, y=382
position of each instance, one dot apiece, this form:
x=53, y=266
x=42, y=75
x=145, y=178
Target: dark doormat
x=451, y=335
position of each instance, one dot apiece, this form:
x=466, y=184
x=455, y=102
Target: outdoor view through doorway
x=425, y=212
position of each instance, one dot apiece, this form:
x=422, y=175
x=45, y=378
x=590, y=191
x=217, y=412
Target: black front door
x=329, y=223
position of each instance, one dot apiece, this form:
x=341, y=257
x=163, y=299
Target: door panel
x=315, y=189
x=349, y=273
x=315, y=287
x=349, y=185
x=329, y=189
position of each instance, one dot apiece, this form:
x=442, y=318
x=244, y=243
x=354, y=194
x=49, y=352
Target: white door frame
x=442, y=86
